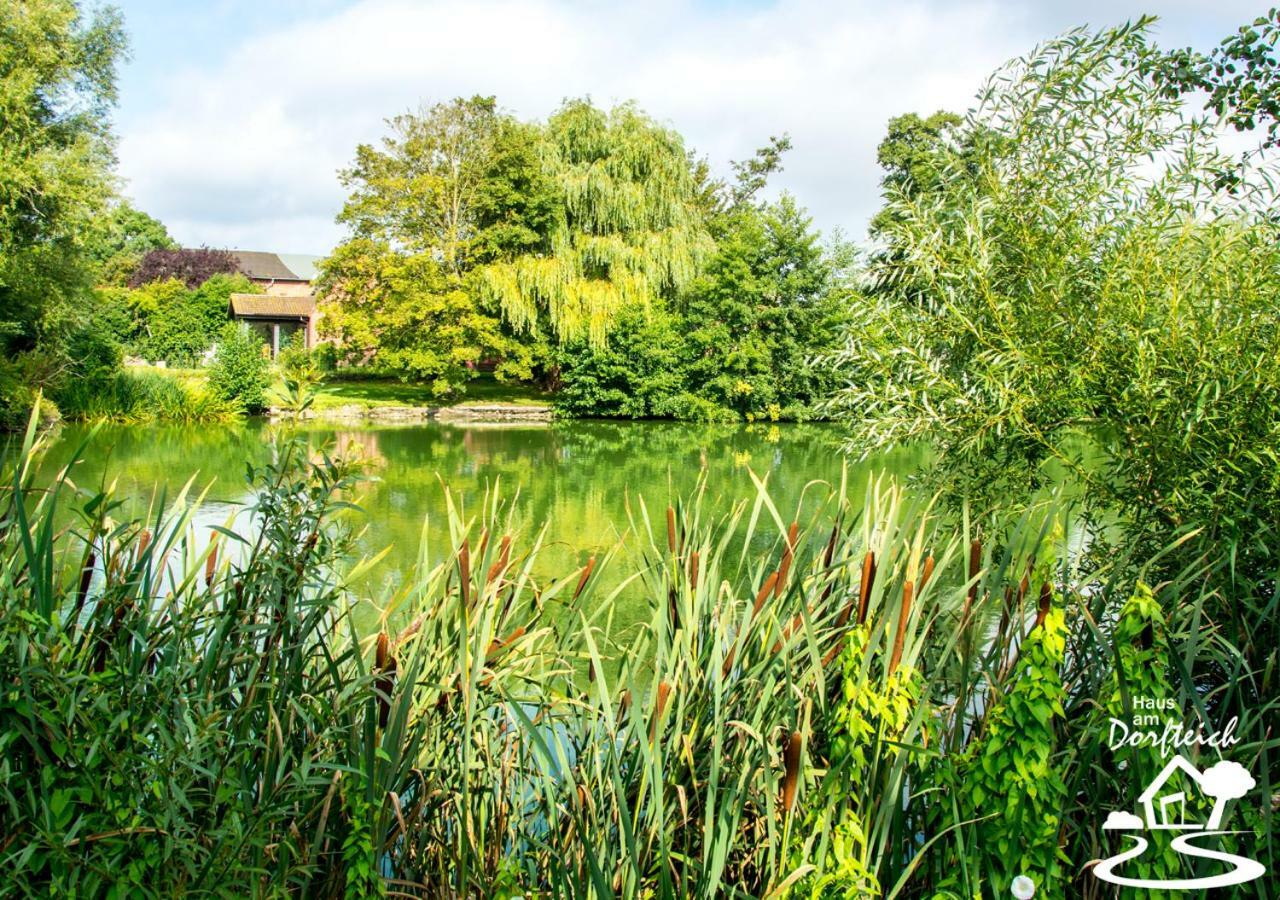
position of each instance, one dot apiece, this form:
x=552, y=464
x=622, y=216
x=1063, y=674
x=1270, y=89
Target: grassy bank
x=830, y=707
x=365, y=391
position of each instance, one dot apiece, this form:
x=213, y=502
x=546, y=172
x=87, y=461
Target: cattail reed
x=504, y=556
x=496, y=646
x=586, y=574
x=791, y=779
x=671, y=529
x=864, y=587
x=693, y=570
x=975, y=566
x=765, y=590
x=900, y=637
x=664, y=693
x=211, y=564
x=385, y=664
x=1046, y=602
x=788, y=554
x=144, y=541
x=927, y=573
x=791, y=629
x=828, y=554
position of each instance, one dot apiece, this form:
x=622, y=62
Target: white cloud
x=245, y=153
x=1120, y=820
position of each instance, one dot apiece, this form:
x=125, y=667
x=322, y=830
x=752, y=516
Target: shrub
x=241, y=370
x=136, y=396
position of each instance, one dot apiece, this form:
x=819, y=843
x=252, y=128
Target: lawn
x=483, y=390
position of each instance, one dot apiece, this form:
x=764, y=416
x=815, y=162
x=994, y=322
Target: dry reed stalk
x=791, y=780
x=900, y=637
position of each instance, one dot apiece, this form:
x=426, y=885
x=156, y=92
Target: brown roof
x=265, y=266
x=267, y=306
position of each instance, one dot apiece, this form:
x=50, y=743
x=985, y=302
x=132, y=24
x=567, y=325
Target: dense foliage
x=57, y=82
x=191, y=266
x=592, y=253
x=1066, y=285
x=241, y=368
x=771, y=726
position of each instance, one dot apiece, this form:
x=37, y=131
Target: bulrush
x=1046, y=602
x=765, y=590
x=82, y=592
x=927, y=573
x=144, y=541
x=586, y=574
x=384, y=684
x=211, y=563
x=693, y=570
x=496, y=646
x=975, y=566
x=788, y=554
x=664, y=693
x=899, y=638
x=504, y=556
x=671, y=529
x=864, y=587
x=791, y=760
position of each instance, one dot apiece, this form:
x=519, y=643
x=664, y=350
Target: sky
x=235, y=116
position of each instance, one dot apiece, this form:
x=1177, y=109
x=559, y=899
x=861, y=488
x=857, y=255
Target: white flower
x=1023, y=888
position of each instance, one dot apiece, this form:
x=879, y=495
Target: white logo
x=1164, y=805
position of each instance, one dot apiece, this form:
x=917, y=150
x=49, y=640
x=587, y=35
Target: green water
x=577, y=477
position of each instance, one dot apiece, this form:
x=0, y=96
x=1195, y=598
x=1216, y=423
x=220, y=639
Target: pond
x=577, y=477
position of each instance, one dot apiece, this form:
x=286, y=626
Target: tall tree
x=57, y=84
x=630, y=230
x=122, y=238
x=455, y=186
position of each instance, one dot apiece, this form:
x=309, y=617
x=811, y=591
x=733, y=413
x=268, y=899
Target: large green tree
x=57, y=84
x=453, y=187
x=770, y=300
x=629, y=229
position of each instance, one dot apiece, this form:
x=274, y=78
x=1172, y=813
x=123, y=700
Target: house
x=1166, y=806
x=287, y=305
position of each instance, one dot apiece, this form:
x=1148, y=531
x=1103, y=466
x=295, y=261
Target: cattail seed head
x=791, y=780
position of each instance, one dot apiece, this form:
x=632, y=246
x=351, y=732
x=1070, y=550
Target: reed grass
x=186, y=716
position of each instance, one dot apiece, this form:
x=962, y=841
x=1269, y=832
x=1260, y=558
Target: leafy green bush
x=241, y=369
x=136, y=396
x=636, y=373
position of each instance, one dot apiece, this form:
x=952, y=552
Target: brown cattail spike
x=671, y=529
x=664, y=692
x=864, y=590
x=1046, y=602
x=765, y=590
x=211, y=564
x=504, y=556
x=693, y=570
x=927, y=573
x=586, y=573
x=791, y=780
x=788, y=554
x=899, y=639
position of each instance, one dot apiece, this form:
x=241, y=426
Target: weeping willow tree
x=631, y=230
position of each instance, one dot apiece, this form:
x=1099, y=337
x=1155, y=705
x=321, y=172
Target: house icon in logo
x=1166, y=806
